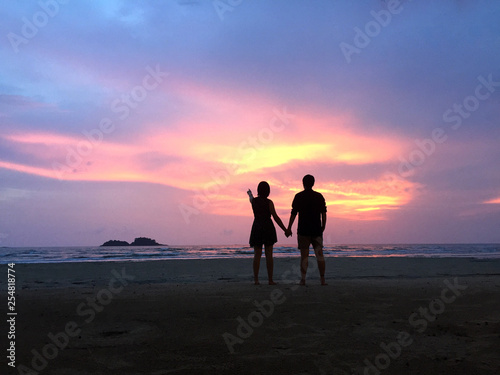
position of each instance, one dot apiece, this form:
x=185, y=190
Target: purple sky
x=121, y=119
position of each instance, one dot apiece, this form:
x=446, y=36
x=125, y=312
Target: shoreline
x=36, y=275
x=113, y=254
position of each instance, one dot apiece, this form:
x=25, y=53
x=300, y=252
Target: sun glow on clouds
x=217, y=154
x=493, y=201
x=368, y=200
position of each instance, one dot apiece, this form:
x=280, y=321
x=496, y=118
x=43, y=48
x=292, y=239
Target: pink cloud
x=493, y=201
x=244, y=138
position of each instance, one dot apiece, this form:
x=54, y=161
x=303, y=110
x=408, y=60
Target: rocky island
x=139, y=241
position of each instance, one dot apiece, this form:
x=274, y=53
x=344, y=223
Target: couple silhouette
x=311, y=208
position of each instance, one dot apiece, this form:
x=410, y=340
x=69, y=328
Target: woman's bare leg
x=257, y=254
x=269, y=263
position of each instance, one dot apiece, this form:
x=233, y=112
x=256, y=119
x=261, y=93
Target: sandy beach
x=376, y=316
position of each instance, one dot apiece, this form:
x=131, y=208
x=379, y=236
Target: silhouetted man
x=311, y=207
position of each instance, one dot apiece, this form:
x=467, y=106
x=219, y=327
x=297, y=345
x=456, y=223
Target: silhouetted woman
x=263, y=232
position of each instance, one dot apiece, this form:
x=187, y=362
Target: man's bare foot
x=302, y=282
x=256, y=282
x=272, y=283
x=323, y=281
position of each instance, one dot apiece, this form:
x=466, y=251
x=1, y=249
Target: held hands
x=288, y=232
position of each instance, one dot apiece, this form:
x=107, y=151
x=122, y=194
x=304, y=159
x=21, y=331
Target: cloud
x=7, y=194
x=242, y=138
x=265, y=94
x=493, y=201
x=21, y=101
x=215, y=162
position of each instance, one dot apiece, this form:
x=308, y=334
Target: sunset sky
x=121, y=119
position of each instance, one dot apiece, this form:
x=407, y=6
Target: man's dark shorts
x=305, y=241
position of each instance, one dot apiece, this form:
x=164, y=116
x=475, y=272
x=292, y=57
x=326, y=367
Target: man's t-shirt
x=309, y=204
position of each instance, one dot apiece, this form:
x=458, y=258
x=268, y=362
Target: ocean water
x=108, y=254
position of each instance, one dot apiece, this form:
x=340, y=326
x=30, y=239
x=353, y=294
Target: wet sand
x=377, y=315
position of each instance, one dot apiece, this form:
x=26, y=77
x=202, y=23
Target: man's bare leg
x=304, y=263
x=321, y=264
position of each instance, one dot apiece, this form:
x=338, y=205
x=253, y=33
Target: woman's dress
x=263, y=230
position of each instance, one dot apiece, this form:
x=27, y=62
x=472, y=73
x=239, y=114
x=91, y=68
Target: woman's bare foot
x=256, y=282
x=323, y=281
x=271, y=282
x=302, y=282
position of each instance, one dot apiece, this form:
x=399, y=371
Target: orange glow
x=205, y=169
x=493, y=201
x=369, y=200
x=347, y=200
x=214, y=155
x=278, y=155
x=26, y=169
